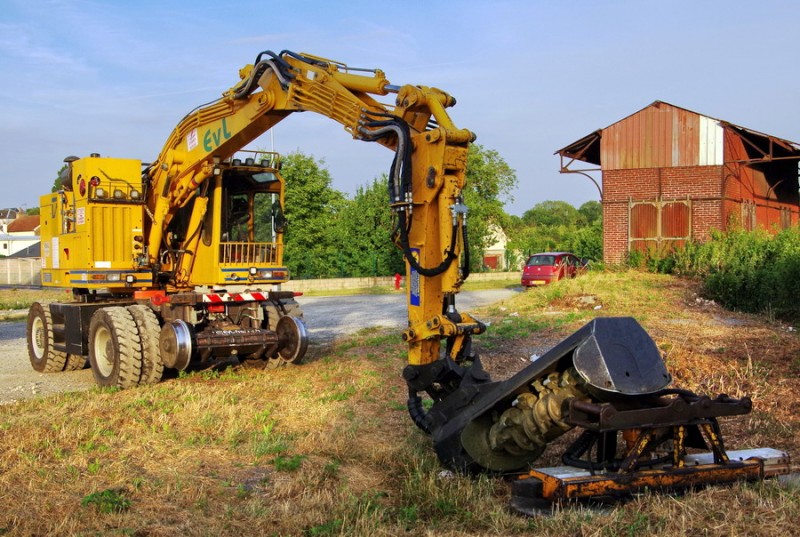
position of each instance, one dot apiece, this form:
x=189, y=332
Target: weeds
x=107, y=501
x=341, y=395
x=332, y=468
x=93, y=467
x=751, y=271
x=332, y=527
x=288, y=464
x=267, y=442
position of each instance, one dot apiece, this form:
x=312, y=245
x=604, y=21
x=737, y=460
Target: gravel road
x=327, y=318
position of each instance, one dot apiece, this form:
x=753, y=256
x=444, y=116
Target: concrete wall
x=22, y=272
x=25, y=272
x=334, y=284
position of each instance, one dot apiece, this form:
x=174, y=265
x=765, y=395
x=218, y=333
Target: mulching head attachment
x=609, y=379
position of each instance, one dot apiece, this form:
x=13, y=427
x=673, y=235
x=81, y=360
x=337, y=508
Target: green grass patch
x=482, y=285
x=288, y=464
x=378, y=290
x=22, y=298
x=107, y=501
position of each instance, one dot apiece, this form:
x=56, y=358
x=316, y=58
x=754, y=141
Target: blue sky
x=115, y=77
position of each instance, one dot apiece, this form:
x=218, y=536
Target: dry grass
x=327, y=448
x=14, y=299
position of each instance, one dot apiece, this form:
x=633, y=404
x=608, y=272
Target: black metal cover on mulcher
x=614, y=356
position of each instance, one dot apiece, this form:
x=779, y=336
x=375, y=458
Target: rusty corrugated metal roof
x=587, y=149
x=663, y=135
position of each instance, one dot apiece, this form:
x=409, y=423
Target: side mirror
x=278, y=218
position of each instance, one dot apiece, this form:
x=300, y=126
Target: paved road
x=330, y=317
x=327, y=318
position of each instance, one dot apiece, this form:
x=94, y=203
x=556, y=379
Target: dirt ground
x=19, y=381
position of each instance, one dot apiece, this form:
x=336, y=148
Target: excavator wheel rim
x=43, y=357
x=103, y=351
x=38, y=335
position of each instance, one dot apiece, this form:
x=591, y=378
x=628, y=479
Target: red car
x=547, y=267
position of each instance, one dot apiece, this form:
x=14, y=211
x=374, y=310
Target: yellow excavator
x=180, y=261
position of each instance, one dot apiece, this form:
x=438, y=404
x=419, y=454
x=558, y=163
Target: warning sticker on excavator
x=192, y=140
x=413, y=283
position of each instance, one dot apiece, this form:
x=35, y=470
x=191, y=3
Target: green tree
x=57, y=181
x=558, y=226
x=312, y=209
x=590, y=213
x=551, y=213
x=490, y=181
x=586, y=242
x=365, y=229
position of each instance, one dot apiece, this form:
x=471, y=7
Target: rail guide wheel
x=292, y=339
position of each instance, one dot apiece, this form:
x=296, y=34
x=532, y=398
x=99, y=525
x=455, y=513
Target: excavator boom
x=426, y=179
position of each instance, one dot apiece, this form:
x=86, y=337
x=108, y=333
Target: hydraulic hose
x=432, y=271
x=250, y=85
x=417, y=412
x=278, y=58
x=400, y=170
x=400, y=185
x=396, y=184
x=306, y=59
x=465, y=265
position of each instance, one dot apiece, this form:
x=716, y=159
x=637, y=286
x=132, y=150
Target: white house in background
x=494, y=257
x=19, y=234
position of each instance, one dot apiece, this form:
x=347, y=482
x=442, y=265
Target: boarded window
x=658, y=226
x=749, y=221
x=786, y=218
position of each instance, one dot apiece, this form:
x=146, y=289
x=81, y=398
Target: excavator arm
x=425, y=182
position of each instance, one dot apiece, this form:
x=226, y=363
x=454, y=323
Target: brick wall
x=615, y=231
x=701, y=184
x=706, y=216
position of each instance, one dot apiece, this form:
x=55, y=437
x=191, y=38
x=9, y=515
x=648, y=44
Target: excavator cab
x=241, y=232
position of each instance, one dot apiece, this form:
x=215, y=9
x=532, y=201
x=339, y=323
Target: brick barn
x=670, y=175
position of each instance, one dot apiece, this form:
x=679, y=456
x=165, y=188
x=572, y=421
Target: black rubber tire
x=39, y=334
x=75, y=362
x=115, y=352
x=273, y=313
x=149, y=332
